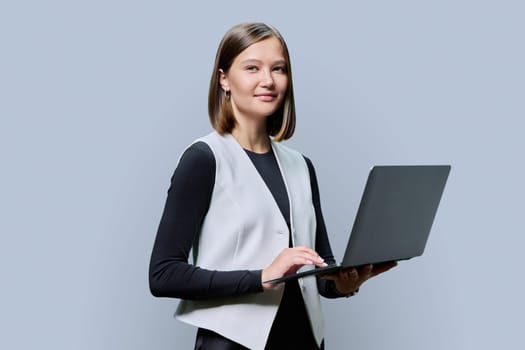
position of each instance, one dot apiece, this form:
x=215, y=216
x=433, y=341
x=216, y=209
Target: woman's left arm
x=322, y=245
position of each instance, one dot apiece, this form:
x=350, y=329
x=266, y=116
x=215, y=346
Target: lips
x=266, y=97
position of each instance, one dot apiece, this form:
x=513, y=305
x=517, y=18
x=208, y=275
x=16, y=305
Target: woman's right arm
x=170, y=274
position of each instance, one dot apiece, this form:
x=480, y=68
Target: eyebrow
x=254, y=60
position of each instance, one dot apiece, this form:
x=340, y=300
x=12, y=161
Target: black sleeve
x=170, y=274
x=322, y=245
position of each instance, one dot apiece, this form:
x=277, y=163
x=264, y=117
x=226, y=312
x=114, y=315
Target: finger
x=353, y=275
x=315, y=258
x=365, y=271
x=383, y=267
x=306, y=259
x=350, y=275
x=312, y=257
x=345, y=275
x=346, y=280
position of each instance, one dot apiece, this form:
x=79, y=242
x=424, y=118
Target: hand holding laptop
x=349, y=280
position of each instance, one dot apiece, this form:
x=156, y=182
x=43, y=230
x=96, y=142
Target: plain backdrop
x=99, y=98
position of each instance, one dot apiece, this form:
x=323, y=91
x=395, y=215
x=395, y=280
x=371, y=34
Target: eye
x=280, y=69
x=252, y=68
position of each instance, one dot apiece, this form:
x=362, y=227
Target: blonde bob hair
x=281, y=124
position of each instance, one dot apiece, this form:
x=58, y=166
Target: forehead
x=266, y=50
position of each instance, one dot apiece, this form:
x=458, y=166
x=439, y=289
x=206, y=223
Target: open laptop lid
x=394, y=218
x=396, y=213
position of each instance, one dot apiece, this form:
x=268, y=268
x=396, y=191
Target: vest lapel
x=262, y=188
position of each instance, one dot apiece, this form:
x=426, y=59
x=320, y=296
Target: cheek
x=282, y=82
x=243, y=87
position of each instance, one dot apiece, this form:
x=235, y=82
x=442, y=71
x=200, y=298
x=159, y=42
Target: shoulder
x=310, y=165
x=288, y=154
x=195, y=170
x=293, y=156
x=311, y=168
x=285, y=149
x=197, y=158
x=213, y=139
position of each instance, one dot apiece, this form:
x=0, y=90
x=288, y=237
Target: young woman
x=248, y=209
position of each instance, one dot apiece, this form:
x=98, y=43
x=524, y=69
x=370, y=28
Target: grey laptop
x=394, y=218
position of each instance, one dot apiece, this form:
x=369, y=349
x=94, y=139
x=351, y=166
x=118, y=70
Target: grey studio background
x=98, y=99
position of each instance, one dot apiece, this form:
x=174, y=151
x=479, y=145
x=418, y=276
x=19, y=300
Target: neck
x=253, y=139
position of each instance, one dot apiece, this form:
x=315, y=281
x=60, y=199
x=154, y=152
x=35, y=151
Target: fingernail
x=320, y=259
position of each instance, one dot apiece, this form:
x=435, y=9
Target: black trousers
x=208, y=340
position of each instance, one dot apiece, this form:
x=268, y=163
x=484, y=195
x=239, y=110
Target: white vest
x=245, y=230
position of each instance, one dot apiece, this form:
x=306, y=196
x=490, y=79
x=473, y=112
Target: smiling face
x=256, y=81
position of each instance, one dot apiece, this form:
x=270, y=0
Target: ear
x=223, y=80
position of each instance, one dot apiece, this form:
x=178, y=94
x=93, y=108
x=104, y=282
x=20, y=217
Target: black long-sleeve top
x=187, y=202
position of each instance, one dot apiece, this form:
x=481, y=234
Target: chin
x=266, y=112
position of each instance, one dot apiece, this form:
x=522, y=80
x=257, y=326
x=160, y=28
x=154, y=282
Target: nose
x=267, y=78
